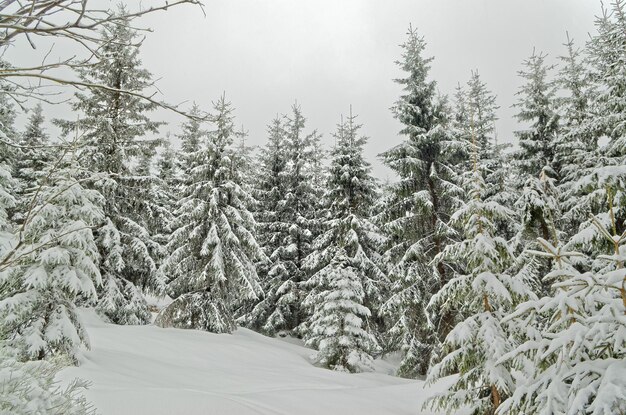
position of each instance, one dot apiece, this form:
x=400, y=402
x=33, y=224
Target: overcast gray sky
x=330, y=54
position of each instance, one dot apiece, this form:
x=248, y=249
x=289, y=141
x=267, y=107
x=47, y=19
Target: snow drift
x=149, y=370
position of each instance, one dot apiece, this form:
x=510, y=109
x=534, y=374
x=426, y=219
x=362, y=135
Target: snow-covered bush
x=29, y=388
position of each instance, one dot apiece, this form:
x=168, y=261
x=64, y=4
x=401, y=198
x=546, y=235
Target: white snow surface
x=155, y=371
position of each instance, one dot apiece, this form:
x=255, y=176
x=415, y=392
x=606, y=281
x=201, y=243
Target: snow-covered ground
x=149, y=370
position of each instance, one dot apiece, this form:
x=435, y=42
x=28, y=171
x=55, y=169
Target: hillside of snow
x=154, y=371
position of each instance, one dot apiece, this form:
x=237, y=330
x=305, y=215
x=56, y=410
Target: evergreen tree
x=599, y=189
x=192, y=139
x=538, y=211
x=418, y=209
x=338, y=324
x=167, y=167
x=243, y=160
x=295, y=219
x=350, y=245
x=482, y=107
x=476, y=111
x=33, y=157
x=152, y=211
x=575, y=139
x=606, y=50
x=7, y=182
x=538, y=206
x=211, y=269
x=301, y=194
x=55, y=264
x=574, y=362
x=537, y=166
x=536, y=104
x=483, y=294
x=278, y=309
x=112, y=127
x=165, y=182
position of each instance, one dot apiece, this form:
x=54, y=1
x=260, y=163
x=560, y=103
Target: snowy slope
x=153, y=371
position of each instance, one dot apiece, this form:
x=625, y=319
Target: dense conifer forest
x=501, y=264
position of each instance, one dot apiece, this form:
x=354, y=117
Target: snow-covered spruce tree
x=482, y=291
x=211, y=269
x=481, y=106
x=7, y=160
x=275, y=311
x=538, y=206
x=55, y=262
x=33, y=156
x=575, y=139
x=298, y=220
x=479, y=114
x=304, y=176
x=350, y=243
x=535, y=161
x=338, y=326
x=538, y=211
x=575, y=363
x=536, y=107
x=417, y=210
x=192, y=140
x=165, y=188
x=607, y=56
x=112, y=126
x=152, y=211
x=603, y=177
x=243, y=161
x=26, y=387
x=167, y=167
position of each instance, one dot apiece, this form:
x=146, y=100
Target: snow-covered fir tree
x=349, y=244
x=292, y=221
x=7, y=161
x=602, y=177
x=338, y=326
x=112, y=125
x=211, y=269
x=574, y=356
x=54, y=262
x=483, y=294
x=536, y=109
x=302, y=193
x=275, y=311
x=192, y=139
x=538, y=213
x=164, y=196
x=152, y=210
x=606, y=57
x=481, y=107
x=574, y=340
x=538, y=207
x=417, y=209
x=34, y=155
x=575, y=139
x=476, y=111
x=537, y=165
x=166, y=165
x=243, y=160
